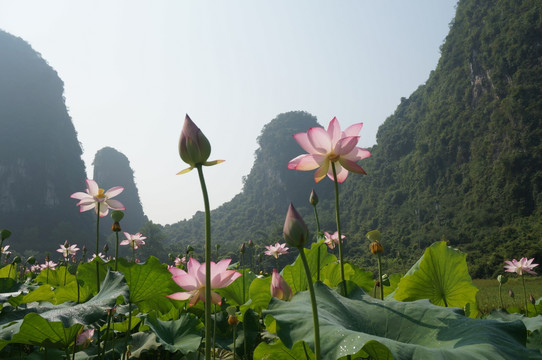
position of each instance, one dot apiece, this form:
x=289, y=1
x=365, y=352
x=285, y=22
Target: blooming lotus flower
x=276, y=250
x=194, y=147
x=521, y=266
x=4, y=250
x=295, y=230
x=85, y=338
x=95, y=196
x=325, y=147
x=48, y=265
x=179, y=261
x=194, y=280
x=135, y=241
x=332, y=240
x=279, y=287
x=66, y=250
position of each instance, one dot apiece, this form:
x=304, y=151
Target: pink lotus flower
x=521, y=266
x=66, y=250
x=100, y=255
x=276, y=250
x=135, y=241
x=95, y=196
x=332, y=240
x=194, y=280
x=279, y=287
x=325, y=147
x=85, y=338
x=48, y=265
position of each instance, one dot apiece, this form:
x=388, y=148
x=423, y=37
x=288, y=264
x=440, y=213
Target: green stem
x=234, y=339
x=207, y=264
x=109, y=316
x=380, y=276
x=98, y=248
x=525, y=295
x=214, y=335
x=500, y=295
x=243, y=272
x=116, y=250
x=317, y=234
x=129, y=328
x=65, y=271
x=313, y=304
x=341, y=262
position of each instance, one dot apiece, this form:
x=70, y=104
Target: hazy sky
x=133, y=69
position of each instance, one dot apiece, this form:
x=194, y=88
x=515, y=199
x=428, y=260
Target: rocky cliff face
x=112, y=168
x=40, y=156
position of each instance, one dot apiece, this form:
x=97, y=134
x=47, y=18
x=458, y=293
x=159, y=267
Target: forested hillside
x=459, y=159
x=40, y=156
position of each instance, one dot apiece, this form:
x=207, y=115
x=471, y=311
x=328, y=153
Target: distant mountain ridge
x=460, y=158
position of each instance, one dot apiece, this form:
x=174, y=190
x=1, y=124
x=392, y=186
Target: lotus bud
x=242, y=248
x=251, y=243
x=376, y=248
x=4, y=234
x=532, y=299
x=502, y=279
x=117, y=215
x=66, y=243
x=279, y=287
x=194, y=147
x=106, y=249
x=511, y=293
x=295, y=230
x=116, y=227
x=313, y=198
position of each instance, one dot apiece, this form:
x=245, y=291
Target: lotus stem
x=317, y=233
x=207, y=264
x=116, y=250
x=379, y=259
x=98, y=247
x=500, y=295
x=313, y=304
x=341, y=262
x=525, y=295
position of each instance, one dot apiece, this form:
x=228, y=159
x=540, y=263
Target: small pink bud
x=295, y=230
x=279, y=287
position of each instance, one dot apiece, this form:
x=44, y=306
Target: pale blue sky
x=132, y=69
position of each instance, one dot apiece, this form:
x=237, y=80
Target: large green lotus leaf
x=35, y=330
x=295, y=274
x=331, y=276
x=441, y=276
x=72, y=292
x=56, y=277
x=533, y=325
x=277, y=351
x=260, y=293
x=42, y=293
x=182, y=335
x=410, y=330
x=8, y=271
x=149, y=284
x=69, y=314
x=86, y=272
x=234, y=292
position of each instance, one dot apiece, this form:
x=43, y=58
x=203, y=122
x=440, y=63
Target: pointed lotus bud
x=106, y=248
x=511, y=293
x=295, y=230
x=251, y=243
x=532, y=299
x=194, y=147
x=313, y=198
x=242, y=248
x=4, y=234
x=279, y=287
x=502, y=279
